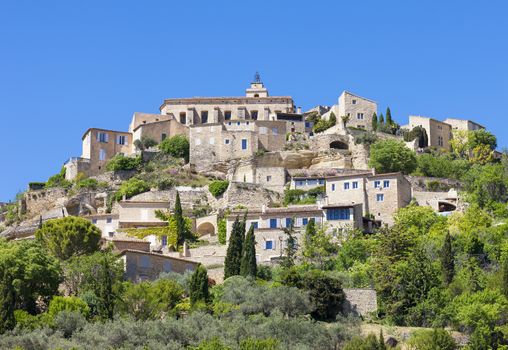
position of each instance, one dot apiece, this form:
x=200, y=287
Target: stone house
x=463, y=124
x=160, y=128
x=121, y=243
x=256, y=105
x=439, y=133
x=269, y=224
x=359, y=109
x=145, y=266
x=140, y=213
x=380, y=195
x=306, y=179
x=107, y=223
x=270, y=177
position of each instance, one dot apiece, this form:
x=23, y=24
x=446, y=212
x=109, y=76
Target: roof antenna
x=257, y=77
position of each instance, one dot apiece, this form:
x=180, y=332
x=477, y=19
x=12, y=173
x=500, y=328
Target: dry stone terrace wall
x=188, y=196
x=40, y=201
x=249, y=195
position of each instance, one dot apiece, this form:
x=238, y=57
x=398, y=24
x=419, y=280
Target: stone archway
x=206, y=226
x=337, y=144
x=446, y=207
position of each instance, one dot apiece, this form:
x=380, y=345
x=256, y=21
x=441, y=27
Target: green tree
x=176, y=146
x=431, y=340
x=389, y=120
x=179, y=221
x=289, y=256
x=319, y=248
x=221, y=230
x=233, y=258
x=121, y=162
x=381, y=120
x=346, y=119
x=199, y=286
x=70, y=303
x=69, y=236
x=374, y=121
x=7, y=297
x=325, y=292
x=131, y=187
x=332, y=120
x=218, y=187
x=487, y=184
x=392, y=156
x=104, y=289
x=145, y=142
x=447, y=260
x=482, y=137
x=248, y=266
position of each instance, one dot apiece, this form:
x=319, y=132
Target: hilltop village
x=257, y=157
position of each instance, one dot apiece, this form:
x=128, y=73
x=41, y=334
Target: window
x=273, y=223
x=109, y=220
x=94, y=221
x=377, y=184
x=386, y=183
x=359, y=116
x=337, y=214
x=212, y=141
x=275, y=131
x=226, y=141
x=238, y=123
x=247, y=123
x=144, y=261
x=164, y=240
x=299, y=183
x=254, y=115
x=355, y=184
x=102, y=154
x=321, y=181
x=111, y=234
x=312, y=182
x=353, y=102
x=204, y=117
x=244, y=143
x=229, y=123
x=346, y=185
x=102, y=137
x=307, y=124
x=183, y=118
x=305, y=221
x=289, y=222
x=380, y=197
x=120, y=140
x=227, y=115
x=163, y=137
x=198, y=142
x=269, y=245
x=333, y=187
x=269, y=178
x=254, y=224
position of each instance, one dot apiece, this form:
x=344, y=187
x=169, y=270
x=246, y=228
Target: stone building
x=142, y=266
x=380, y=195
x=439, y=133
x=155, y=126
x=133, y=213
x=255, y=105
x=359, y=109
x=463, y=124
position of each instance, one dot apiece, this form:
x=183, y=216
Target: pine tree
x=234, y=253
x=381, y=119
x=180, y=221
x=505, y=276
x=199, y=286
x=374, y=121
x=248, y=265
x=447, y=260
x=389, y=120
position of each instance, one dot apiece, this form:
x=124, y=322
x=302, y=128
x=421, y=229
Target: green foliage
x=374, y=121
x=176, y=146
x=121, y=162
x=248, y=266
x=181, y=230
x=297, y=196
x=233, y=258
x=70, y=304
x=58, y=180
x=69, y=236
x=319, y=248
x=145, y=142
x=487, y=185
x=321, y=124
x=218, y=187
x=482, y=137
x=199, y=286
x=131, y=187
x=90, y=184
x=389, y=120
x=28, y=275
x=221, y=230
x=366, y=138
x=447, y=260
x=418, y=133
x=431, y=340
x=439, y=165
x=391, y=156
x=370, y=342
x=150, y=300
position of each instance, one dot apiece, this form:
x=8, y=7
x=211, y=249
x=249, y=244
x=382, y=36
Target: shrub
x=218, y=187
x=131, y=188
x=58, y=180
x=121, y=162
x=165, y=184
x=176, y=146
x=323, y=124
x=366, y=138
x=90, y=184
x=432, y=339
x=392, y=156
x=221, y=231
x=69, y=304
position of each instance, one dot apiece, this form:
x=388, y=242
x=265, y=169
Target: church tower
x=257, y=89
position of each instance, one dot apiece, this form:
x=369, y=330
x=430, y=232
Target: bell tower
x=256, y=89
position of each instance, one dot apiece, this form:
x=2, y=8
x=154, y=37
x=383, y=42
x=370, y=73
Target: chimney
x=299, y=110
x=124, y=198
x=263, y=209
x=373, y=171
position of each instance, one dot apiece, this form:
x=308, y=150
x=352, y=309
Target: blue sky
x=66, y=66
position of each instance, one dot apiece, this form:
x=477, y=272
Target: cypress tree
x=7, y=302
x=199, y=286
x=505, y=276
x=389, y=120
x=381, y=119
x=180, y=222
x=248, y=265
x=382, y=345
x=234, y=253
x=374, y=121
x=447, y=260
x=103, y=289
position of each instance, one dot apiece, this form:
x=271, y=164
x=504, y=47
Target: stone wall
x=361, y=302
x=44, y=200
x=420, y=183
x=249, y=195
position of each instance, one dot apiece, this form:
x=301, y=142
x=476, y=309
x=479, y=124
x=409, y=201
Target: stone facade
x=359, y=109
x=439, y=133
x=361, y=302
x=107, y=223
x=379, y=195
x=133, y=213
x=463, y=124
x=160, y=130
x=142, y=266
